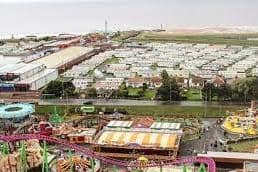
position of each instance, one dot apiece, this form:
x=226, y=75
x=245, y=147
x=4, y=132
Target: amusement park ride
x=31, y=153
x=243, y=122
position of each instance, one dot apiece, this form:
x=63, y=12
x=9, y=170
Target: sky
x=52, y=16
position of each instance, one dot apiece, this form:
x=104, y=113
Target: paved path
x=212, y=133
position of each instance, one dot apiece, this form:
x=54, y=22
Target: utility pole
x=106, y=26
x=170, y=98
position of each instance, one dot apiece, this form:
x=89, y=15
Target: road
x=212, y=133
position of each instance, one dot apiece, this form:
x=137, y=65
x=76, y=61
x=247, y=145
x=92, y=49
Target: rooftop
x=166, y=125
x=145, y=139
x=37, y=76
x=231, y=155
x=61, y=57
x=122, y=124
x=10, y=68
x=27, y=67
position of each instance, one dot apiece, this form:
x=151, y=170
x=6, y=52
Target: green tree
x=59, y=88
x=208, y=91
x=245, y=89
x=169, y=89
x=123, y=91
x=164, y=76
x=91, y=92
x=144, y=87
x=224, y=93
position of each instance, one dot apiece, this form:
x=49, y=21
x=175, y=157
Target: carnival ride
x=73, y=163
x=27, y=156
x=88, y=109
x=243, y=122
x=43, y=128
x=89, y=153
x=16, y=112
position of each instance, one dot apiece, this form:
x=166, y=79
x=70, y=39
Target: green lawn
x=244, y=146
x=158, y=110
x=229, y=39
x=134, y=91
x=193, y=95
x=149, y=94
x=113, y=60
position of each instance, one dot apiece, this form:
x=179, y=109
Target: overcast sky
x=22, y=16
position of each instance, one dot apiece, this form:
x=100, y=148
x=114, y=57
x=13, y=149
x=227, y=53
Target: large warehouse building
x=65, y=58
x=38, y=80
x=35, y=75
x=26, y=77
x=124, y=139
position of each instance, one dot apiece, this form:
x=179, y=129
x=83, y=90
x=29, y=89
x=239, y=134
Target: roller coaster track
x=184, y=160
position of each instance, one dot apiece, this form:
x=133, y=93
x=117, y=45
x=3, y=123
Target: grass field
x=228, y=39
x=113, y=60
x=193, y=95
x=147, y=94
x=158, y=111
x=244, y=146
x=134, y=91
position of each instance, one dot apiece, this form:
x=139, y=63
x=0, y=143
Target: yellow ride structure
x=243, y=122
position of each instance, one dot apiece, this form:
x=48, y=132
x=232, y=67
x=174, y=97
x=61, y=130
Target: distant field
x=158, y=111
x=229, y=39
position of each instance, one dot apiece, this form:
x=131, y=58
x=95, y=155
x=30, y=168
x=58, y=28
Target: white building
x=40, y=79
x=82, y=83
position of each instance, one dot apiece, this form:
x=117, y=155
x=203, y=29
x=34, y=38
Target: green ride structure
x=88, y=109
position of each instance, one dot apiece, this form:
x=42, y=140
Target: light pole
x=170, y=98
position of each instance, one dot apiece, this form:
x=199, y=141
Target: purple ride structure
x=183, y=160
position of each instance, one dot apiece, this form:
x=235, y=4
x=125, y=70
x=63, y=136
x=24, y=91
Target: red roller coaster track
x=184, y=160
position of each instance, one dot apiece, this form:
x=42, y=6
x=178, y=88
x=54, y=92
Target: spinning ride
x=17, y=112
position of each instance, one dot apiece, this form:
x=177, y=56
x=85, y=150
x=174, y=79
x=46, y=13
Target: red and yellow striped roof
x=161, y=140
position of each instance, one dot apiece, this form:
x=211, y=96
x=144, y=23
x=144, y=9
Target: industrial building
x=25, y=77
x=39, y=80
x=20, y=76
x=66, y=58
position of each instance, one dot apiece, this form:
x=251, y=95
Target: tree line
x=240, y=90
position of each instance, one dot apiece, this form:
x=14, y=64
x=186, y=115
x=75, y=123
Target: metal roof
x=27, y=67
x=166, y=125
x=10, y=60
x=121, y=124
x=37, y=76
x=10, y=68
x=62, y=57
